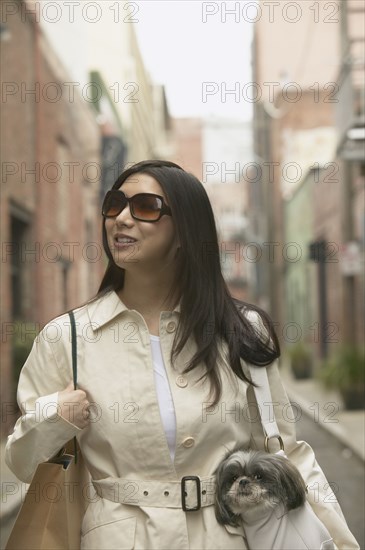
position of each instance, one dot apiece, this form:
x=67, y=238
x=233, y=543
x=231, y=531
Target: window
x=19, y=230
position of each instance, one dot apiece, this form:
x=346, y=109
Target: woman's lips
x=121, y=242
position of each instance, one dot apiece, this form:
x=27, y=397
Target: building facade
x=50, y=151
x=350, y=159
x=188, y=144
x=226, y=167
x=309, y=134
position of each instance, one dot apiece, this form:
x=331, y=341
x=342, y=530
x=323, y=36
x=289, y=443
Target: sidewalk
x=326, y=408
x=307, y=395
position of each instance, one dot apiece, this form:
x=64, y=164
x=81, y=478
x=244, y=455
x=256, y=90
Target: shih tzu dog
x=266, y=494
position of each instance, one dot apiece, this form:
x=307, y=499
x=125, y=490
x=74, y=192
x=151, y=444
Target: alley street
x=341, y=467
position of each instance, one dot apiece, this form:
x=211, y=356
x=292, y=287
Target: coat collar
x=106, y=308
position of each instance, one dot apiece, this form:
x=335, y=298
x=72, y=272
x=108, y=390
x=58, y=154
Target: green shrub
x=301, y=362
x=344, y=370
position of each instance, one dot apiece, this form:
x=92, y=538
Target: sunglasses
x=145, y=207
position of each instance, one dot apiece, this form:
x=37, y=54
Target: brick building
x=50, y=222
x=350, y=123
x=188, y=144
x=289, y=117
x=216, y=151
x=310, y=118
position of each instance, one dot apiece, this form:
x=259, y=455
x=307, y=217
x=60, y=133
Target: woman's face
x=154, y=245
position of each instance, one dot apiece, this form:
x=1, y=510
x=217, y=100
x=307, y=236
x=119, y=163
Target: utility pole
x=317, y=253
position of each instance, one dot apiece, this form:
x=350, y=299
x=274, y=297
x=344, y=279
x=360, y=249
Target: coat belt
x=190, y=493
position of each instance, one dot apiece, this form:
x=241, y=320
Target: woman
x=163, y=376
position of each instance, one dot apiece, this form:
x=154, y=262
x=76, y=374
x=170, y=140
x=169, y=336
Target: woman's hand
x=74, y=406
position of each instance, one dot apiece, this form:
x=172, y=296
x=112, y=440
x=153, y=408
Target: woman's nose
x=124, y=216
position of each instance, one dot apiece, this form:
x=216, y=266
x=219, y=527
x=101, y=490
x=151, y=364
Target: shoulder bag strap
x=74, y=347
x=74, y=363
x=265, y=405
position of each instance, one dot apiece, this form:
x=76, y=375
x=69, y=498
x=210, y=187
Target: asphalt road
x=341, y=467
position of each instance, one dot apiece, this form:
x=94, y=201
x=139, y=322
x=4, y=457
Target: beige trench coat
x=125, y=444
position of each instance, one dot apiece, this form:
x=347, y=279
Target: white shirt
x=166, y=404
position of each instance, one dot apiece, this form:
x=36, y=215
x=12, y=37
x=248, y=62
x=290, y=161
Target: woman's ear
x=290, y=480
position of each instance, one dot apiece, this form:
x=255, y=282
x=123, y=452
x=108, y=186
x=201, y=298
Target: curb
x=334, y=428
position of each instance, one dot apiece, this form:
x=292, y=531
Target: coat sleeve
x=320, y=495
x=40, y=432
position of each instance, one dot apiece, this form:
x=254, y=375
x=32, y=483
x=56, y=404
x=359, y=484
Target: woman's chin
x=125, y=254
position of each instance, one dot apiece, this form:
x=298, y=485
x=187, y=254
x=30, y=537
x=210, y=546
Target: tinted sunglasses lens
x=146, y=207
x=113, y=204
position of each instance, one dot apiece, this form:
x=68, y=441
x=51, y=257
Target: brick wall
x=53, y=213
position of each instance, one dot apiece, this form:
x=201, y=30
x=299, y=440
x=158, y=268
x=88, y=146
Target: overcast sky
x=196, y=49
x=192, y=50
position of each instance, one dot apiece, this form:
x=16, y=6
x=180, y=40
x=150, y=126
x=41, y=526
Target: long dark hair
x=207, y=310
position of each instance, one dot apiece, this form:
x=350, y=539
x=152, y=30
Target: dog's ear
x=223, y=513
x=292, y=483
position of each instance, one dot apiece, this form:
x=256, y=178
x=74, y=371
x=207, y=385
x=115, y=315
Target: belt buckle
x=198, y=493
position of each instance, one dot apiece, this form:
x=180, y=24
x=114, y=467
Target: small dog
x=267, y=495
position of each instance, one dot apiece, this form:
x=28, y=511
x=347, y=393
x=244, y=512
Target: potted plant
x=301, y=362
x=345, y=373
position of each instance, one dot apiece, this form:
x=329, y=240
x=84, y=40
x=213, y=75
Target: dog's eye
x=234, y=478
x=257, y=476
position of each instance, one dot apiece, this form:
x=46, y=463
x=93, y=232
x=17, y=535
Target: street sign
x=350, y=258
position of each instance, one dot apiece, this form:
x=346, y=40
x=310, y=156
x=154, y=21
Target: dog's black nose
x=244, y=482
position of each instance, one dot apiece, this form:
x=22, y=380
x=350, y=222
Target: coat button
x=188, y=442
x=181, y=381
x=171, y=326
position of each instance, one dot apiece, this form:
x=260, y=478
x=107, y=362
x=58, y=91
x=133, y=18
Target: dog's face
x=252, y=481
